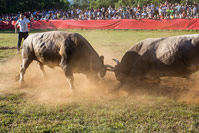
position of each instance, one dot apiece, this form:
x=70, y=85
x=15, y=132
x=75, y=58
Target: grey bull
x=71, y=51
x=157, y=57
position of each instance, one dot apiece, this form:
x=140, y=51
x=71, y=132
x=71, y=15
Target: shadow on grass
x=172, y=88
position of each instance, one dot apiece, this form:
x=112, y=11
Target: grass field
x=47, y=106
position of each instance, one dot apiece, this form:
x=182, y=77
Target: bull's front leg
x=69, y=77
x=68, y=74
x=25, y=63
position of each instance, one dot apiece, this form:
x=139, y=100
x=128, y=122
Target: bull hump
x=165, y=49
x=58, y=38
x=146, y=45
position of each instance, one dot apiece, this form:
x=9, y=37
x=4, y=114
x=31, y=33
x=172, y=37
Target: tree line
x=14, y=6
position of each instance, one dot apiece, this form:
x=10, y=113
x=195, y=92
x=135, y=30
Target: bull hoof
x=17, y=78
x=72, y=90
x=21, y=82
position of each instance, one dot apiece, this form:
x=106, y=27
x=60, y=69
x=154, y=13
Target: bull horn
x=116, y=61
x=110, y=68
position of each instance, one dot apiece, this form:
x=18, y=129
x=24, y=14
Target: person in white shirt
x=23, y=30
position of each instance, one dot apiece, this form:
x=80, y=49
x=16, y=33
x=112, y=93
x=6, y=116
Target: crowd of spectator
x=163, y=11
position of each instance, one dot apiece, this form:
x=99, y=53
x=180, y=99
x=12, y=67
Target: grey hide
x=156, y=57
x=71, y=51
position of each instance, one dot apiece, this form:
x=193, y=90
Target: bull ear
x=102, y=58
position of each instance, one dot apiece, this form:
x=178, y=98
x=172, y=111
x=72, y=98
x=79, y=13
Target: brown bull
x=70, y=51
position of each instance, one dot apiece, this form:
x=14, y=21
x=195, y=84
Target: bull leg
x=68, y=72
x=41, y=66
x=70, y=80
x=25, y=63
x=69, y=77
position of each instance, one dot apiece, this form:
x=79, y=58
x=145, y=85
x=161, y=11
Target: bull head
x=116, y=70
x=98, y=68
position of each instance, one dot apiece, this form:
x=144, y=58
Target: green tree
x=14, y=6
x=56, y=4
x=125, y=3
x=2, y=6
x=81, y=4
x=102, y=3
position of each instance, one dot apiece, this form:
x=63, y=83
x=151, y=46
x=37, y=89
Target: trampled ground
x=46, y=105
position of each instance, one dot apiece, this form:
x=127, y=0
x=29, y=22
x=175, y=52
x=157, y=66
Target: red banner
x=176, y=24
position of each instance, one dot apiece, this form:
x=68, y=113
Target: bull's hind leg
x=25, y=63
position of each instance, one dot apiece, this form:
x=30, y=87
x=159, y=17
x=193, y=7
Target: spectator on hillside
x=195, y=11
x=163, y=11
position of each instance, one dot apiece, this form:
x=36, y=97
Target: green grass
x=4, y=54
x=116, y=115
x=142, y=113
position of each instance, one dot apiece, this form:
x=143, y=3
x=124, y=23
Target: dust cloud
x=54, y=89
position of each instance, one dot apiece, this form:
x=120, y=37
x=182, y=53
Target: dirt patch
x=54, y=89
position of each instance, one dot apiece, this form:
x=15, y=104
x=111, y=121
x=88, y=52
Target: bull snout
x=100, y=77
x=101, y=73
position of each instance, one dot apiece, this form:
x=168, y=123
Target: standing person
x=23, y=30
